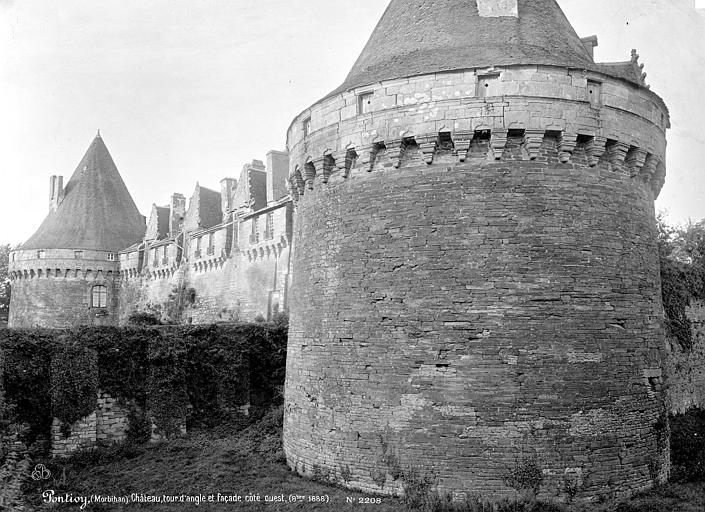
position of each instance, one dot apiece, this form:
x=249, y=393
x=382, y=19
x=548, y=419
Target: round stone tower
x=476, y=294
x=66, y=273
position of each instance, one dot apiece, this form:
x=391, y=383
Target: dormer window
x=78, y=255
x=307, y=126
x=594, y=93
x=111, y=256
x=364, y=103
x=41, y=254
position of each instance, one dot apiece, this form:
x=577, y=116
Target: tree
x=4, y=278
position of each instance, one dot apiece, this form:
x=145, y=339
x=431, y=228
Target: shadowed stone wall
x=686, y=369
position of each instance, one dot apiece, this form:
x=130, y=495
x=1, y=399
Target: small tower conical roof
x=418, y=37
x=97, y=212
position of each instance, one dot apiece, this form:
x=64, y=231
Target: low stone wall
x=112, y=422
x=686, y=369
x=13, y=471
x=108, y=423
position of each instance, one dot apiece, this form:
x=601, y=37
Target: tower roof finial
x=98, y=134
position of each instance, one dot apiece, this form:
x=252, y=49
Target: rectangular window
x=364, y=103
x=307, y=126
x=198, y=247
x=111, y=256
x=99, y=297
x=211, y=243
x=269, y=226
x=165, y=255
x=13, y=256
x=41, y=254
x=78, y=255
x=487, y=86
x=254, y=234
x=594, y=93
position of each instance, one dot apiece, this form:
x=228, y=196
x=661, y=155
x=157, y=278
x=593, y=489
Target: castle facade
x=474, y=293
x=94, y=261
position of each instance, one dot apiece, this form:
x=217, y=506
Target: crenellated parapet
x=601, y=115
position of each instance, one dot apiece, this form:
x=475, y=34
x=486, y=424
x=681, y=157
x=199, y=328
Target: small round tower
x=66, y=273
x=476, y=291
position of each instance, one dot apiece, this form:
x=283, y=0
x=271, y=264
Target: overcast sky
x=190, y=90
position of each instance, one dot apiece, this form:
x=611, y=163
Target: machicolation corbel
x=498, y=141
x=427, y=144
x=617, y=152
x=566, y=145
x=462, y=141
x=635, y=160
x=595, y=148
x=531, y=143
x=395, y=151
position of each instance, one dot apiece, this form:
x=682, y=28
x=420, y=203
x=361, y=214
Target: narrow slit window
x=99, y=296
x=364, y=103
x=307, y=126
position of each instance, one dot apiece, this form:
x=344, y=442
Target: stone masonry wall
x=248, y=283
x=108, y=423
x=461, y=317
x=686, y=369
x=55, y=291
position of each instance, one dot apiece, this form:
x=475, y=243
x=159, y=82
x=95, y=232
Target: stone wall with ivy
x=682, y=257
x=686, y=365
x=89, y=386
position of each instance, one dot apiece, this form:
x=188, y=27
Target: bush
x=526, y=475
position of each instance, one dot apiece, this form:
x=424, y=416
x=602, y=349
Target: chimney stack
x=227, y=194
x=590, y=43
x=177, y=211
x=277, y=172
x=56, y=192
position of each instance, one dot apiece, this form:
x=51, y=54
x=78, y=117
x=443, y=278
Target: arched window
x=99, y=296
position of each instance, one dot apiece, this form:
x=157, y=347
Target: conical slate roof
x=97, y=211
x=418, y=37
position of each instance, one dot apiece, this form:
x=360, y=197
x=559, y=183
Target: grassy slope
x=233, y=460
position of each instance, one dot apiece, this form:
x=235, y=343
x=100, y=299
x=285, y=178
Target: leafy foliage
x=4, y=279
x=682, y=253
x=74, y=382
x=688, y=446
x=26, y=378
x=193, y=375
